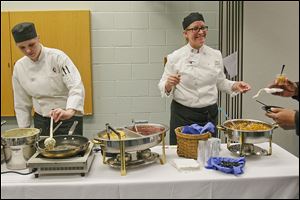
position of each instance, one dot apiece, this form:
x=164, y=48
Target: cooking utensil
x=134, y=124
x=108, y=127
x=267, y=108
x=57, y=126
x=50, y=141
x=139, y=122
x=66, y=145
x=226, y=116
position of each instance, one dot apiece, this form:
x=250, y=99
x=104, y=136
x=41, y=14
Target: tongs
x=108, y=127
x=266, y=107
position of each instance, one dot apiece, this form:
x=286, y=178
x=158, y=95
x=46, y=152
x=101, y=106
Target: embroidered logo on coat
x=65, y=70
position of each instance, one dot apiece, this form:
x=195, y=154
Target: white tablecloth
x=275, y=176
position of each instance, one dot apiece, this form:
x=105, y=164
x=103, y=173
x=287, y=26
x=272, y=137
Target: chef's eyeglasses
x=197, y=29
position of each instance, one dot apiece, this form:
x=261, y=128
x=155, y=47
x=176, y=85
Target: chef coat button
x=32, y=79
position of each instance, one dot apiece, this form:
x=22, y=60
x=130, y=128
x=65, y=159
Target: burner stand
x=79, y=164
x=134, y=159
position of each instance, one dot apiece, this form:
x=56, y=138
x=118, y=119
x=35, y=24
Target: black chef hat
x=23, y=31
x=191, y=18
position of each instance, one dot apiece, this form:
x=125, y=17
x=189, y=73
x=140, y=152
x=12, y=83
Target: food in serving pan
x=114, y=136
x=249, y=126
x=147, y=129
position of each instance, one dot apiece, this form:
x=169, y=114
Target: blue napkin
x=197, y=129
x=208, y=127
x=227, y=165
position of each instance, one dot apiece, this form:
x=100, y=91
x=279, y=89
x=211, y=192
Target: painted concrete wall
x=129, y=42
x=271, y=39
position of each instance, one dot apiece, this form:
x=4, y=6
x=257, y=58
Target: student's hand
x=289, y=88
x=284, y=117
x=60, y=114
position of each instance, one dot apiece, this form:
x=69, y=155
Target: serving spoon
x=228, y=118
x=50, y=141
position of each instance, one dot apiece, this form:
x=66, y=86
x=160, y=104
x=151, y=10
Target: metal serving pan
x=146, y=136
x=248, y=130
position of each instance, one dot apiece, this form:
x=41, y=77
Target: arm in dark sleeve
x=297, y=122
x=296, y=96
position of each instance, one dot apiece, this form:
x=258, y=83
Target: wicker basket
x=187, y=144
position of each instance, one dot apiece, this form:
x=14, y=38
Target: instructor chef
x=193, y=75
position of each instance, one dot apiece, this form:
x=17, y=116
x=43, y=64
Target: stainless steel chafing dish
x=148, y=135
x=137, y=137
x=247, y=132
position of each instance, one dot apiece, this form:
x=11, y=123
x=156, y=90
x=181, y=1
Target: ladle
x=135, y=126
x=56, y=127
x=50, y=141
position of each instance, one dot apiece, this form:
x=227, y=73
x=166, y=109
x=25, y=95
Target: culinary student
x=193, y=75
x=47, y=81
x=286, y=118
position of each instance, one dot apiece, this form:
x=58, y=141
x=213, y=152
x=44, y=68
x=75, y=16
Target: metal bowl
x=231, y=129
x=147, y=135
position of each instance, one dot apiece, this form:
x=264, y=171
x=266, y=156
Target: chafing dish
x=247, y=132
x=134, y=138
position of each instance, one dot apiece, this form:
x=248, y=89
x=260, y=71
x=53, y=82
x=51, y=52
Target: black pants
x=43, y=123
x=182, y=115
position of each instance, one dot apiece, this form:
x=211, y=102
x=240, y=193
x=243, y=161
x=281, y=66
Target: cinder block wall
x=129, y=42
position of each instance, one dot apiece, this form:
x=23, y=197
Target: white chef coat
x=201, y=76
x=52, y=81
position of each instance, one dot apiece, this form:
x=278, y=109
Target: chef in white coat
x=193, y=75
x=47, y=81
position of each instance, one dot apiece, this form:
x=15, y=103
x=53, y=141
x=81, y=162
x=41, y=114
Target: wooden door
x=7, y=103
x=68, y=31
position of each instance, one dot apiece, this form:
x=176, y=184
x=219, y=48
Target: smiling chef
x=193, y=75
x=46, y=80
